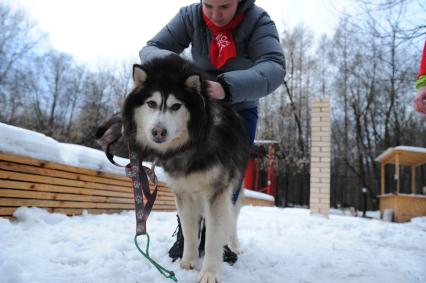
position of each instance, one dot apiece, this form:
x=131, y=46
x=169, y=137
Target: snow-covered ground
x=280, y=245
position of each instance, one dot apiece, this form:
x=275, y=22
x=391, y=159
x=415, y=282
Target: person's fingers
x=215, y=90
x=419, y=104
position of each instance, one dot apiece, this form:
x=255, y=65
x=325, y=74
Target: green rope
x=166, y=273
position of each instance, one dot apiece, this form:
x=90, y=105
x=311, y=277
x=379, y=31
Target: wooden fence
x=67, y=189
x=70, y=190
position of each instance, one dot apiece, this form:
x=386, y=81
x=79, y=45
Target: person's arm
x=420, y=99
x=173, y=38
x=269, y=70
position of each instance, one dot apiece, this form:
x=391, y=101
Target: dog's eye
x=175, y=107
x=151, y=104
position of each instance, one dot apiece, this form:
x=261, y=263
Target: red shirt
x=422, y=70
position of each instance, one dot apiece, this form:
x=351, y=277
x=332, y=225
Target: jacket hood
x=245, y=5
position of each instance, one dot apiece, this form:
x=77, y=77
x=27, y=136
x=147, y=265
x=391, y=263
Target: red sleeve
x=422, y=70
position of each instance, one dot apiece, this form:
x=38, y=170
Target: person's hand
x=419, y=100
x=215, y=90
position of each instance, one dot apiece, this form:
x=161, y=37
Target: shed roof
x=408, y=155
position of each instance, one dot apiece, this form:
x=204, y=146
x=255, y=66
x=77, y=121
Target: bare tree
x=284, y=115
x=411, y=17
x=54, y=69
x=99, y=102
x=71, y=100
x=375, y=65
x=18, y=38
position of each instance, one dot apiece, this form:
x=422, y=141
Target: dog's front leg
x=218, y=220
x=189, y=217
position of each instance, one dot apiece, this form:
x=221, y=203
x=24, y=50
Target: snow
x=257, y=195
x=280, y=245
x=410, y=148
x=35, y=145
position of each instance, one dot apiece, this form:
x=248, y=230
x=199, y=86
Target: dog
x=202, y=145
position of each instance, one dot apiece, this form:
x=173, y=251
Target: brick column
x=320, y=157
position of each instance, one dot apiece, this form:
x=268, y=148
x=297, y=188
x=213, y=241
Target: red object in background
x=252, y=177
x=249, y=175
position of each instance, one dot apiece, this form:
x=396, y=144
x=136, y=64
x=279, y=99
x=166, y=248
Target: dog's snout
x=159, y=134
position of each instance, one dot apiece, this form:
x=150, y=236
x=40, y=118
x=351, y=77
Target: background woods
x=367, y=66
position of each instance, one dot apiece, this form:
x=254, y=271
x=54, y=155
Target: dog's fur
x=201, y=144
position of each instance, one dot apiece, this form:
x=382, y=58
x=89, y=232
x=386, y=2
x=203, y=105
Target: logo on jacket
x=222, y=41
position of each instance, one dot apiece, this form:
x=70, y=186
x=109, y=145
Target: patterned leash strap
x=108, y=134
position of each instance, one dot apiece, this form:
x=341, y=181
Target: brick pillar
x=320, y=157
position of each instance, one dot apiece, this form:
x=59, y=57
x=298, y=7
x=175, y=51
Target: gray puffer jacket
x=259, y=67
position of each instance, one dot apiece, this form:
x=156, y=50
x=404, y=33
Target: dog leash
x=108, y=134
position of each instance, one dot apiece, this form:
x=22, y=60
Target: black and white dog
x=201, y=144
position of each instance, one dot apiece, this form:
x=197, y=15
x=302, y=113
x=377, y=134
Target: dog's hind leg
x=234, y=243
x=188, y=211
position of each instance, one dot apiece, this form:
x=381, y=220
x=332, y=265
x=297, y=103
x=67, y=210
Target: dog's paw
x=237, y=251
x=235, y=247
x=208, y=277
x=185, y=264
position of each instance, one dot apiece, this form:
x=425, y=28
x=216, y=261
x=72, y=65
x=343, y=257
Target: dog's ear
x=139, y=76
x=194, y=82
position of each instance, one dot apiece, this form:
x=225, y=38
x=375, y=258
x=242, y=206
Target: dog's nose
x=159, y=134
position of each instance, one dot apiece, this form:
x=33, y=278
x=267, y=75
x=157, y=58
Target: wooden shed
x=403, y=206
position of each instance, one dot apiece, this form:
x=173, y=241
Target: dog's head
x=167, y=106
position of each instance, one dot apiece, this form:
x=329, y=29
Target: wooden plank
x=405, y=207
x=78, y=211
x=257, y=202
x=386, y=202
x=53, y=165
x=59, y=196
x=27, y=186
x=16, y=167
x=42, y=202
x=17, y=185
x=409, y=206
x=406, y=157
x=63, y=204
x=398, y=181
x=66, y=189
x=8, y=211
x=382, y=178
x=58, y=181
x=410, y=158
x=4, y=211
x=8, y=175
x=67, y=168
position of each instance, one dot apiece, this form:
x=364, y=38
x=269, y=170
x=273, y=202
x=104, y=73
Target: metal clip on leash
x=108, y=134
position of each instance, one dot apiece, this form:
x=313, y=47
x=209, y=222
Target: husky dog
x=201, y=143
